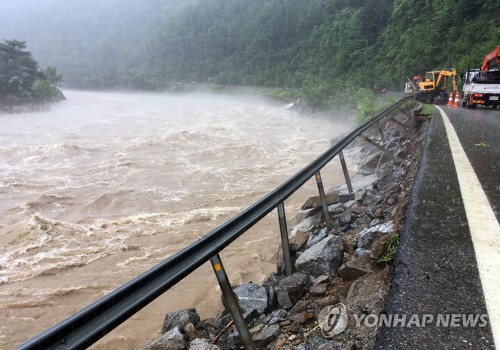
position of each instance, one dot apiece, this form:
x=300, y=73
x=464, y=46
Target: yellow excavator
x=435, y=86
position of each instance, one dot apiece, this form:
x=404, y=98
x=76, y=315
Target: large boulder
x=356, y=268
x=317, y=236
x=290, y=289
x=252, y=298
x=171, y=340
x=323, y=258
x=180, y=318
x=202, y=344
x=370, y=234
x=266, y=336
x=315, y=202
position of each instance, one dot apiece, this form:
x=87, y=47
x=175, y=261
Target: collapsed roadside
x=347, y=266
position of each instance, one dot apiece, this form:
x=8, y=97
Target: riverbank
x=28, y=105
x=344, y=270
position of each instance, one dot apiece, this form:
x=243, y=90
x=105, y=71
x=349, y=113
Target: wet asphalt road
x=436, y=270
x=479, y=133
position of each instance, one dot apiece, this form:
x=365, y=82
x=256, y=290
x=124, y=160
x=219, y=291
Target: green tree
x=18, y=70
x=46, y=89
x=54, y=79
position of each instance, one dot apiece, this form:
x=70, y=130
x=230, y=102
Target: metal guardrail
x=93, y=322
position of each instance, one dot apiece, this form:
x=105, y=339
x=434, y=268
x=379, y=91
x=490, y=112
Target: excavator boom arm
x=490, y=58
x=444, y=73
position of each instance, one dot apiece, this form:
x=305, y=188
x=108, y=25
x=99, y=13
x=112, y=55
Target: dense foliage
x=20, y=78
x=324, y=51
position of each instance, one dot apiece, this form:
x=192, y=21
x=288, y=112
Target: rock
x=318, y=289
x=367, y=293
x=277, y=316
x=361, y=251
x=180, y=318
x=223, y=318
x=252, y=299
x=302, y=317
x=192, y=332
x=270, y=284
x=256, y=329
x=315, y=202
x=373, y=200
x=290, y=289
x=202, y=344
x=294, y=328
x=355, y=268
x=358, y=209
x=391, y=198
x=300, y=306
x=345, y=217
x=298, y=240
x=306, y=224
x=336, y=209
x=315, y=238
x=323, y=258
x=321, y=279
x=379, y=247
x=370, y=234
x=266, y=336
x=171, y=340
x=349, y=204
x=374, y=212
x=359, y=195
x=332, y=345
x=302, y=215
x=345, y=196
x=233, y=340
x=314, y=341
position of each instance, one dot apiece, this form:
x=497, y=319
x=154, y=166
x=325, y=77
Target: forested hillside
x=93, y=43
x=318, y=48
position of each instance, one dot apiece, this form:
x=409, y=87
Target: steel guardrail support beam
x=345, y=171
x=371, y=142
x=399, y=123
x=232, y=303
x=324, y=203
x=284, y=239
x=381, y=131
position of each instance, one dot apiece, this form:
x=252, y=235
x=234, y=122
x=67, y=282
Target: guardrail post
x=346, y=172
x=324, y=204
x=284, y=239
x=234, y=308
x=371, y=142
x=381, y=132
x=399, y=123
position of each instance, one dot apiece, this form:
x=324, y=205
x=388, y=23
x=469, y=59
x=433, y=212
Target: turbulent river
x=106, y=185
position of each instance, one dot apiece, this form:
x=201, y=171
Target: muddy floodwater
x=104, y=186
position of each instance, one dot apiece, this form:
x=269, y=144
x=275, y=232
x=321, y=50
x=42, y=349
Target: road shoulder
x=436, y=270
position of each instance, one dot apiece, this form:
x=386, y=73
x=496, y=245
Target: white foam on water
x=106, y=185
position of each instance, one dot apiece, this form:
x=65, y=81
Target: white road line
x=483, y=225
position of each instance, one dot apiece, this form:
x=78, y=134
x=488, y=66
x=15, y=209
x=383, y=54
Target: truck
x=435, y=86
x=482, y=86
